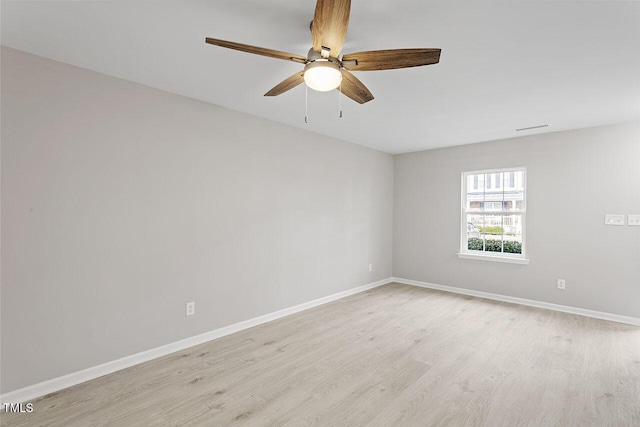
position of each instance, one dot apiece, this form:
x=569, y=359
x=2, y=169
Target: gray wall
x=574, y=178
x=120, y=203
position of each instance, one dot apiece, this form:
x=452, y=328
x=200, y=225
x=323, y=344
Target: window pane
x=519, y=177
x=492, y=231
x=515, y=193
x=493, y=243
x=474, y=236
x=475, y=192
x=512, y=225
x=513, y=243
x=492, y=226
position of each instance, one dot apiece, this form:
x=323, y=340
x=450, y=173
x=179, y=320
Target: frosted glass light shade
x=322, y=75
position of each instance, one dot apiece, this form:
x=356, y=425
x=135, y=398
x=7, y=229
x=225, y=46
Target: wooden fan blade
x=330, y=23
x=354, y=88
x=390, y=59
x=257, y=50
x=286, y=84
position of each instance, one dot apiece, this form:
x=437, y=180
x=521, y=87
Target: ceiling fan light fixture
x=322, y=75
x=325, y=66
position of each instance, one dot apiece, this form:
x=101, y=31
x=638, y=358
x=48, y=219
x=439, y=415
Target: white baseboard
x=37, y=390
x=522, y=301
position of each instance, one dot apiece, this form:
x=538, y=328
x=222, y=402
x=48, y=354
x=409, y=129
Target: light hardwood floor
x=393, y=356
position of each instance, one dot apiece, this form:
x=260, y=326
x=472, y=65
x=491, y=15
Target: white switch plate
x=370, y=267
x=633, y=220
x=561, y=284
x=610, y=219
x=190, y=309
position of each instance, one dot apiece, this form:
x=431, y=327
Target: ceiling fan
x=324, y=70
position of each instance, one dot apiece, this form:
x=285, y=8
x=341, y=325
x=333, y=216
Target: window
x=493, y=217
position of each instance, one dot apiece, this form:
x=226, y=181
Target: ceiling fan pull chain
x=340, y=97
x=306, y=104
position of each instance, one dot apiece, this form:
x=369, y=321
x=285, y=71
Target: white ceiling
x=504, y=65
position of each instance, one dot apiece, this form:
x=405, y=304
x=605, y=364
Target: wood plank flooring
x=396, y=355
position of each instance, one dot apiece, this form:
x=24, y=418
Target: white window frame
x=484, y=255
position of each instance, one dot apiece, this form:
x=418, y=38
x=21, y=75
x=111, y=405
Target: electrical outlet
x=561, y=283
x=633, y=220
x=190, y=309
x=370, y=267
x=610, y=219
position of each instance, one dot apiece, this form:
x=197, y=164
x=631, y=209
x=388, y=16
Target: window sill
x=494, y=258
